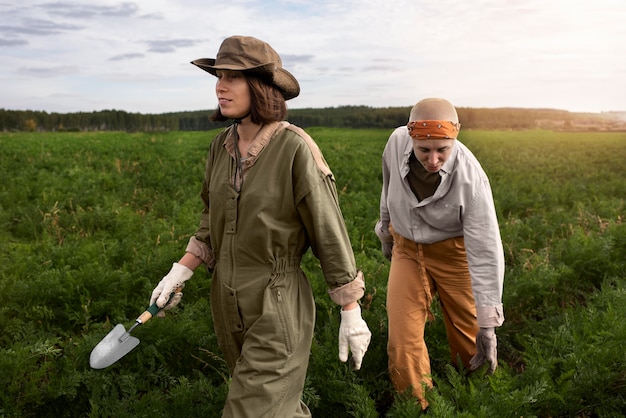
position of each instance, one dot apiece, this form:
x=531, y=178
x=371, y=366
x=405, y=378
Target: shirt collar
x=260, y=141
x=448, y=166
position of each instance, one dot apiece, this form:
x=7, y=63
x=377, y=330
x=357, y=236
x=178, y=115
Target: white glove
x=486, y=350
x=175, y=279
x=355, y=335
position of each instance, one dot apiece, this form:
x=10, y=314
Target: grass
x=91, y=221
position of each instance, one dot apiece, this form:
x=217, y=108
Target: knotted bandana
x=433, y=129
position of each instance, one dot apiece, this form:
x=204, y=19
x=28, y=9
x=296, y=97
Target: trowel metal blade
x=110, y=349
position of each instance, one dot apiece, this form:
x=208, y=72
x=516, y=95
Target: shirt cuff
x=382, y=232
x=349, y=292
x=202, y=251
x=490, y=316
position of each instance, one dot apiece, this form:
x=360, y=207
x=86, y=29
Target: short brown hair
x=267, y=102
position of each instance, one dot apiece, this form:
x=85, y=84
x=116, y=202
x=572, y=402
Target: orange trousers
x=418, y=272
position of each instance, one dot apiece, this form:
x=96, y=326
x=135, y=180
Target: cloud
x=49, y=71
x=169, y=45
x=38, y=27
x=124, y=57
x=152, y=16
x=85, y=11
x=13, y=42
x=293, y=60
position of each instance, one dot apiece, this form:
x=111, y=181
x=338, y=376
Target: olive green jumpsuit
x=261, y=301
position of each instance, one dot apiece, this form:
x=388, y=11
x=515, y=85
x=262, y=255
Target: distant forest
x=339, y=117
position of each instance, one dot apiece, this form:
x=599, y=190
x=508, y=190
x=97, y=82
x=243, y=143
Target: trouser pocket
x=286, y=320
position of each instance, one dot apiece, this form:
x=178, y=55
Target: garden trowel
x=119, y=342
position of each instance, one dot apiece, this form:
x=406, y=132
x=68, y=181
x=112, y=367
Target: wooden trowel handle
x=153, y=309
x=146, y=315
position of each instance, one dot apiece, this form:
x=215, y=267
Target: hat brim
x=281, y=78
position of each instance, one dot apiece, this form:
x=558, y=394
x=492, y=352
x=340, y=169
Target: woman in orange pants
x=438, y=227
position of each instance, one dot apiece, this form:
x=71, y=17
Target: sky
x=69, y=56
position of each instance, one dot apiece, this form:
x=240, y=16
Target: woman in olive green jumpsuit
x=268, y=197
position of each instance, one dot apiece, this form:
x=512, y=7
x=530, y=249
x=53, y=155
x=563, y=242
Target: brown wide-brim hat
x=253, y=56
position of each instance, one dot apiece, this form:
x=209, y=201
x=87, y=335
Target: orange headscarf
x=433, y=129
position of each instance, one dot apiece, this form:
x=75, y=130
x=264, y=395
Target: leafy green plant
x=91, y=221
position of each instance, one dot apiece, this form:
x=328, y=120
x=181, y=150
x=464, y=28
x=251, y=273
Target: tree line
x=341, y=117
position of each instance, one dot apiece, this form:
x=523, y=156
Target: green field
x=90, y=222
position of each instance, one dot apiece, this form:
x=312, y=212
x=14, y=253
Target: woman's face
x=233, y=93
x=432, y=153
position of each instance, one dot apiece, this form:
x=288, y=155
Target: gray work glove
x=354, y=335
x=486, y=350
x=173, y=282
x=387, y=248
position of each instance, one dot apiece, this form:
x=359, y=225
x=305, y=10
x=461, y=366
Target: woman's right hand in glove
x=173, y=282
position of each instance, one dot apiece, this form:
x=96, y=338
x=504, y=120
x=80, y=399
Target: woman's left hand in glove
x=353, y=335
x=486, y=350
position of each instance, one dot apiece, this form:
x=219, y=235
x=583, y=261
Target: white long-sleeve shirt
x=462, y=205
